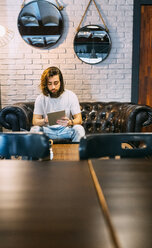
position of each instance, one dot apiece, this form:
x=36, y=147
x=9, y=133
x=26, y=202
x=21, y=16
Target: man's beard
x=55, y=94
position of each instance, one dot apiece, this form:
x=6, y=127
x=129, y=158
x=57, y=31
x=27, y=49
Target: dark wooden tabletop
x=50, y=204
x=127, y=187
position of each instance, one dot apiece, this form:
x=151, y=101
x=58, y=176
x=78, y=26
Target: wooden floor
x=71, y=151
x=66, y=152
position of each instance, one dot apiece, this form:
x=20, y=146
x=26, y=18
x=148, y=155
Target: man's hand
x=64, y=121
x=46, y=120
x=38, y=120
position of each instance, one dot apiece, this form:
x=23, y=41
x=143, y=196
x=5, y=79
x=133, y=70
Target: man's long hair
x=50, y=72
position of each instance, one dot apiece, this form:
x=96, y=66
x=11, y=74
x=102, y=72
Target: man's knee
x=79, y=129
x=79, y=132
x=35, y=129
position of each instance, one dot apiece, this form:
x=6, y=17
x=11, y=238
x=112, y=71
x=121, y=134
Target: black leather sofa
x=98, y=117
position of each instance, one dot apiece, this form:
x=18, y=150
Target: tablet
x=54, y=116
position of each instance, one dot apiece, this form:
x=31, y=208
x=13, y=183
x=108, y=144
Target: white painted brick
x=7, y=62
x=128, y=66
x=12, y=56
x=40, y=61
x=5, y=72
x=32, y=77
x=109, y=61
x=49, y=55
x=38, y=72
x=69, y=66
x=83, y=77
x=76, y=7
x=95, y=71
x=116, y=76
x=83, y=87
x=85, y=97
x=125, y=7
x=12, y=67
x=93, y=82
x=127, y=86
x=24, y=82
x=117, y=2
x=21, y=65
x=124, y=61
x=70, y=61
x=23, y=91
x=69, y=50
x=129, y=2
x=127, y=76
x=128, y=25
x=31, y=98
x=23, y=61
x=68, y=77
x=32, y=56
x=33, y=66
x=116, y=66
x=59, y=50
x=57, y=61
x=70, y=87
x=18, y=98
x=118, y=45
x=98, y=76
x=123, y=18
x=78, y=92
x=24, y=72
x=16, y=77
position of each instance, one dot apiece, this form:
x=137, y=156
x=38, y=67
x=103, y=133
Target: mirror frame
x=35, y=21
x=84, y=34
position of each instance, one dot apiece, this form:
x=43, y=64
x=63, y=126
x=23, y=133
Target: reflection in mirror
x=40, y=24
x=92, y=44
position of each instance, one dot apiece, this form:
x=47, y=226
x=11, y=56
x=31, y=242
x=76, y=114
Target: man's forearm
x=75, y=121
x=39, y=122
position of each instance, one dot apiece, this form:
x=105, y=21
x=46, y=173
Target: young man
x=55, y=98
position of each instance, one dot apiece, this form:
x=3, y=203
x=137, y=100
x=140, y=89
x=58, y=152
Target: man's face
x=54, y=85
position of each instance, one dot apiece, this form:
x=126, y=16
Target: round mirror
x=92, y=44
x=40, y=24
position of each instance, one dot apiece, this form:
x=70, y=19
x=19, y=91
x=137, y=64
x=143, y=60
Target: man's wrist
x=71, y=123
x=44, y=123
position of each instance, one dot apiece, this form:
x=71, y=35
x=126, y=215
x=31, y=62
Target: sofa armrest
x=18, y=116
x=133, y=117
x=142, y=117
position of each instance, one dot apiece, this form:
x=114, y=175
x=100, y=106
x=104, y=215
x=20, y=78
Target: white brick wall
x=21, y=65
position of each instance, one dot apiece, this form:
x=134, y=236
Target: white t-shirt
x=67, y=101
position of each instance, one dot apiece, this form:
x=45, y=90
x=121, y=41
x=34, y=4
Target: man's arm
x=38, y=120
x=77, y=120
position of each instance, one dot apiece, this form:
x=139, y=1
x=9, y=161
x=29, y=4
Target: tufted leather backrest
x=98, y=117
x=113, y=117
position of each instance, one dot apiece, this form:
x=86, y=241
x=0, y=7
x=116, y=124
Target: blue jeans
x=59, y=132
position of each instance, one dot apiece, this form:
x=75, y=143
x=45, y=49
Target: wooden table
x=127, y=188
x=49, y=204
x=54, y=204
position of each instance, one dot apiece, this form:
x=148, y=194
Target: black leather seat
x=116, y=144
x=30, y=146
